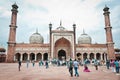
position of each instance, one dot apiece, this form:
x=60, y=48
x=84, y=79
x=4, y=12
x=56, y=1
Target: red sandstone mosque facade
x=62, y=43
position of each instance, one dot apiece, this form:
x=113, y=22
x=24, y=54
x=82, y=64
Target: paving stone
x=9, y=71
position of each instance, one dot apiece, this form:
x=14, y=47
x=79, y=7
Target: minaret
x=108, y=29
x=12, y=34
x=74, y=30
x=50, y=32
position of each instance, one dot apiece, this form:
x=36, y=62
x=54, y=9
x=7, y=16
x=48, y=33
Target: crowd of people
x=114, y=65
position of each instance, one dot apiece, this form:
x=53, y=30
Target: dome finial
x=60, y=23
x=83, y=31
x=36, y=30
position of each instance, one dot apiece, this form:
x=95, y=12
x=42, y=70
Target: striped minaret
x=109, y=38
x=12, y=34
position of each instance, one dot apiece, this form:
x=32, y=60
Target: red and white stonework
x=62, y=43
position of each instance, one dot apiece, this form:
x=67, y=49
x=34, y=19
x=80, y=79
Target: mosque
x=62, y=43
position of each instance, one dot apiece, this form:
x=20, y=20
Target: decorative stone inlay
x=57, y=36
x=31, y=49
x=91, y=49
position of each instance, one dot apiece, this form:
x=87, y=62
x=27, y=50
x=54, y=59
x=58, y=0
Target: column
x=82, y=57
x=21, y=58
x=14, y=58
x=105, y=57
x=35, y=57
x=95, y=56
x=101, y=57
x=42, y=56
x=28, y=58
x=87, y=56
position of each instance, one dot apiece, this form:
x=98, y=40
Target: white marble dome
x=84, y=39
x=36, y=38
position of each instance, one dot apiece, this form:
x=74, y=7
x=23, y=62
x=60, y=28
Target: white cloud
x=4, y=12
x=39, y=13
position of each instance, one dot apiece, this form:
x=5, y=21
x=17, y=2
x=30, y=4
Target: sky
x=37, y=14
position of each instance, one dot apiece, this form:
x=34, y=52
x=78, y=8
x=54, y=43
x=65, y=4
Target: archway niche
x=85, y=56
x=39, y=56
x=91, y=56
x=17, y=56
x=64, y=47
x=79, y=56
x=98, y=56
x=32, y=56
x=61, y=55
x=45, y=56
x=25, y=56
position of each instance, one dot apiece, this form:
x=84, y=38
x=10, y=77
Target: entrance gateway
x=62, y=43
x=61, y=55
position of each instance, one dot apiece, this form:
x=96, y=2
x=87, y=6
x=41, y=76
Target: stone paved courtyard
x=9, y=71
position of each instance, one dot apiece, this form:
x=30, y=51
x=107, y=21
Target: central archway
x=62, y=48
x=61, y=55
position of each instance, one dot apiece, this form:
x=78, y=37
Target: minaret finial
x=105, y=5
x=15, y=3
x=60, y=23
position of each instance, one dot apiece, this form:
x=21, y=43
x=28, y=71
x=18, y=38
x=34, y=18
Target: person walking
x=96, y=64
x=46, y=64
x=116, y=66
x=33, y=63
x=76, y=66
x=39, y=63
x=112, y=65
x=108, y=64
x=119, y=65
x=70, y=67
x=27, y=62
x=19, y=65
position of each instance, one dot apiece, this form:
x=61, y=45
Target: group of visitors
x=46, y=63
x=114, y=65
x=73, y=64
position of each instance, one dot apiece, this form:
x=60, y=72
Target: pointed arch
x=25, y=57
x=79, y=56
x=85, y=56
x=45, y=56
x=39, y=56
x=98, y=56
x=17, y=56
x=32, y=56
x=61, y=54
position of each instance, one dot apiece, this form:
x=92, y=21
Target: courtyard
x=9, y=71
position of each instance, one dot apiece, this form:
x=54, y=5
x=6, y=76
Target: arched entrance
x=79, y=56
x=25, y=56
x=32, y=56
x=39, y=56
x=45, y=56
x=85, y=56
x=62, y=48
x=91, y=56
x=61, y=55
x=17, y=56
x=98, y=56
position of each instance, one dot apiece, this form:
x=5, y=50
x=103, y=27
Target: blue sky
x=86, y=14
